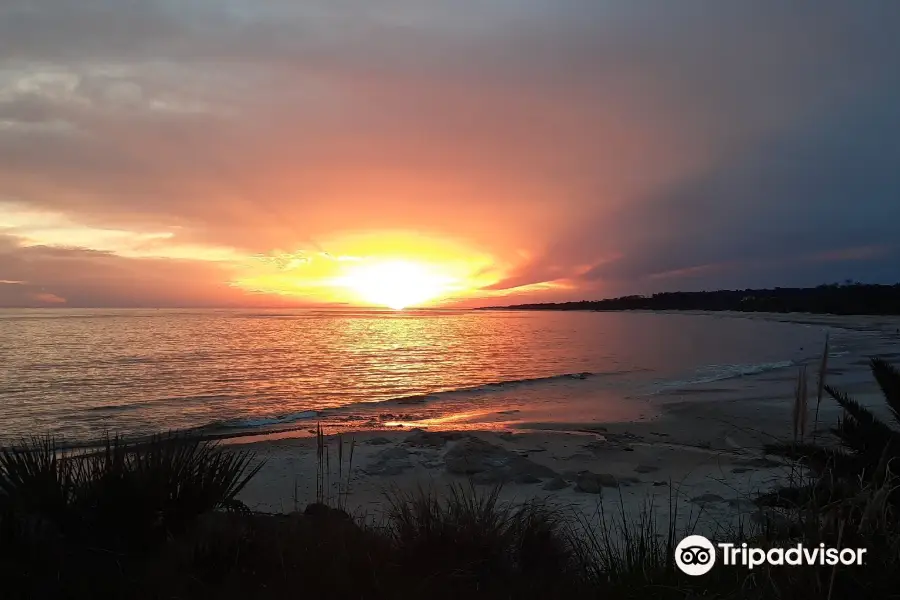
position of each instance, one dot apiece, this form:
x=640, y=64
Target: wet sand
x=701, y=445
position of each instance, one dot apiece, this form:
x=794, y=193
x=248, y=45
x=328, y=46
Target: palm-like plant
x=124, y=495
x=867, y=443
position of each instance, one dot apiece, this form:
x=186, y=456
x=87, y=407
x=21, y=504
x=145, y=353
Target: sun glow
x=396, y=284
x=392, y=268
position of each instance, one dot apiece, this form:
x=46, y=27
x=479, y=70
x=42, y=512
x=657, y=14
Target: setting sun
x=396, y=284
x=392, y=268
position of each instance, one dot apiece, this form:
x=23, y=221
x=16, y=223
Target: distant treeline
x=837, y=299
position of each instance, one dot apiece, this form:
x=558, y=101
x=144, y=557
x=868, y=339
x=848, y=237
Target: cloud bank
x=149, y=150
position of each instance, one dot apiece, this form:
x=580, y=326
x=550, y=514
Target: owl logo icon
x=695, y=555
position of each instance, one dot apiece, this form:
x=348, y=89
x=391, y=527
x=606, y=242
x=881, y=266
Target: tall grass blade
x=820, y=382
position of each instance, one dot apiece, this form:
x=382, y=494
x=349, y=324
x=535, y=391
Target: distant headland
x=838, y=299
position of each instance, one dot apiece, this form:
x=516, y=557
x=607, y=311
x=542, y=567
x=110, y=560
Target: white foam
x=712, y=373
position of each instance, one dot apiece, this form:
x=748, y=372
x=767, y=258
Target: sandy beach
x=701, y=445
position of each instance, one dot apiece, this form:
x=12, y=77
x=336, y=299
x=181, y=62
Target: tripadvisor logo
x=696, y=555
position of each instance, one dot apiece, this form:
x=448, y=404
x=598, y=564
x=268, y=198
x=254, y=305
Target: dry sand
x=702, y=447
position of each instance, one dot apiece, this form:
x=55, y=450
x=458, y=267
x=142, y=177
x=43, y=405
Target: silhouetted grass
x=465, y=540
x=160, y=520
x=120, y=498
x=847, y=495
x=324, y=483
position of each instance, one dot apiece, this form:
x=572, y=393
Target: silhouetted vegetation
x=67, y=514
x=847, y=492
x=837, y=299
x=865, y=454
x=161, y=521
x=469, y=541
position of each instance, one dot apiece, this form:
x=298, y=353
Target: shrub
x=867, y=446
x=469, y=541
x=121, y=497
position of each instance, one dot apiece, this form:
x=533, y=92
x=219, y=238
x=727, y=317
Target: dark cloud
x=821, y=190
x=627, y=146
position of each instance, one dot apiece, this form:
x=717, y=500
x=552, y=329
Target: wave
x=113, y=408
x=256, y=422
x=264, y=422
x=158, y=402
x=133, y=360
x=713, y=373
x=487, y=387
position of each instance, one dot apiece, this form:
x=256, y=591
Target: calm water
x=80, y=374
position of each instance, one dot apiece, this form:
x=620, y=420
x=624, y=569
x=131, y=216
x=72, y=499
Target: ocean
x=82, y=374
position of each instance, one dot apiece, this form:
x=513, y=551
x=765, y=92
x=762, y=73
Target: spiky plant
x=124, y=495
x=162, y=485
x=37, y=486
x=868, y=444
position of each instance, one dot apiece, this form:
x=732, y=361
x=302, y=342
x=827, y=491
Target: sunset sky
x=276, y=152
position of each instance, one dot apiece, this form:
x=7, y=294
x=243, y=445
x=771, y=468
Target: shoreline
x=699, y=443
x=702, y=447
x=886, y=326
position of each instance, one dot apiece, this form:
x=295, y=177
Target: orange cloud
x=176, y=163
x=48, y=298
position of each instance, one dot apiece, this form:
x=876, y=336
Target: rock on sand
x=487, y=463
